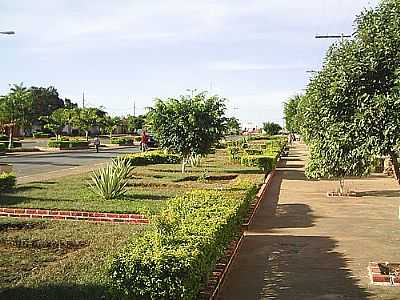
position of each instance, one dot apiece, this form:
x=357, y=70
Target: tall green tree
x=271, y=128
x=292, y=115
x=56, y=121
x=45, y=101
x=189, y=125
x=232, y=126
x=15, y=110
x=111, y=124
x=134, y=123
x=87, y=118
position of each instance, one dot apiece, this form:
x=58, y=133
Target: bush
x=3, y=146
x=122, y=141
x=39, y=134
x=253, y=151
x=7, y=182
x=68, y=144
x=3, y=138
x=152, y=158
x=175, y=260
x=264, y=162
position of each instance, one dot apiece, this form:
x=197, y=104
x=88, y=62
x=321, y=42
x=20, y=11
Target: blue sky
x=255, y=52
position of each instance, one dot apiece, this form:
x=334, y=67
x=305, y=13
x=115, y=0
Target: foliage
x=110, y=182
x=55, y=122
x=292, y=115
x=264, y=162
x=232, y=126
x=189, y=125
x=271, y=128
x=195, y=160
x=86, y=118
x=7, y=182
x=3, y=147
x=191, y=235
x=122, y=141
x=44, y=101
x=111, y=124
x=123, y=165
x=153, y=157
x=67, y=144
x=134, y=123
x=39, y=134
x=16, y=109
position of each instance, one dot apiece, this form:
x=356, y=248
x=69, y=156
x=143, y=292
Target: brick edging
x=378, y=278
x=98, y=217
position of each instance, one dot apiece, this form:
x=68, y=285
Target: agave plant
x=124, y=165
x=109, y=182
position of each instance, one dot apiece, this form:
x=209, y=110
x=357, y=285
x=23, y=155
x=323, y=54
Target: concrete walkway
x=304, y=245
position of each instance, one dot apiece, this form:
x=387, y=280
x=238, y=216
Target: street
x=35, y=164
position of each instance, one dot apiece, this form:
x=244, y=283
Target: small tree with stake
x=271, y=128
x=190, y=125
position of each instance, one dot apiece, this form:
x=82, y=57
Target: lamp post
x=7, y=32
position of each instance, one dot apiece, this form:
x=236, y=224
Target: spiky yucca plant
x=123, y=165
x=110, y=182
x=195, y=160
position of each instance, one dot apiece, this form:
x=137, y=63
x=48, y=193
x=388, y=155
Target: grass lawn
x=148, y=190
x=66, y=259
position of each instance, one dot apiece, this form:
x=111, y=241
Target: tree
x=291, y=113
x=190, y=125
x=45, y=101
x=56, y=121
x=271, y=128
x=111, y=123
x=134, y=123
x=87, y=118
x=15, y=109
x=233, y=126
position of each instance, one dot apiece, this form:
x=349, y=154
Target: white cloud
x=238, y=66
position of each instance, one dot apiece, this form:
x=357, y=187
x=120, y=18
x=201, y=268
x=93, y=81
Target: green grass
x=66, y=259
x=148, y=190
x=68, y=262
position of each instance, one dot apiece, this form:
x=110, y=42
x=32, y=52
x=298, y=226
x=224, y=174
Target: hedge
x=3, y=146
x=264, y=162
x=7, y=182
x=153, y=157
x=122, y=141
x=39, y=134
x=68, y=144
x=175, y=260
x=4, y=138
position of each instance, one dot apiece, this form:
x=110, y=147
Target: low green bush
x=137, y=138
x=39, y=134
x=3, y=146
x=7, y=182
x=3, y=138
x=152, y=158
x=68, y=144
x=175, y=260
x=253, y=151
x=264, y=162
x=122, y=141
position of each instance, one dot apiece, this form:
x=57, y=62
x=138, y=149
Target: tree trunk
x=395, y=166
x=110, y=136
x=341, y=186
x=10, y=140
x=87, y=135
x=183, y=165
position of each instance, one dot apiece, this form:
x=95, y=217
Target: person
x=96, y=143
x=144, y=141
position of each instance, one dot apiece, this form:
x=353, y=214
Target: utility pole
x=83, y=99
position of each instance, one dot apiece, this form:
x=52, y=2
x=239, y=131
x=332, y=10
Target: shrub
x=3, y=146
x=110, y=182
x=175, y=260
x=253, y=151
x=39, y=134
x=234, y=153
x=122, y=141
x=124, y=165
x=265, y=162
x=153, y=157
x=3, y=138
x=195, y=160
x=7, y=182
x=68, y=144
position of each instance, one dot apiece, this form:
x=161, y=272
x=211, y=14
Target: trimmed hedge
x=264, y=162
x=39, y=134
x=68, y=144
x=3, y=146
x=3, y=138
x=152, y=158
x=175, y=260
x=122, y=141
x=7, y=182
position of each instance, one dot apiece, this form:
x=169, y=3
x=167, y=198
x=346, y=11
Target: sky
x=126, y=53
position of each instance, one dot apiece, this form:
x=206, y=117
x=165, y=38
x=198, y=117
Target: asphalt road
x=28, y=165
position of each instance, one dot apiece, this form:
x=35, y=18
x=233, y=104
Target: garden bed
x=386, y=274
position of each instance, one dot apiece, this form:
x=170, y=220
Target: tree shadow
x=24, y=188
x=383, y=193
x=291, y=267
x=60, y=291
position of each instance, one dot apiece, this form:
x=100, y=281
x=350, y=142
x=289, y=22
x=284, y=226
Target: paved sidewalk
x=304, y=245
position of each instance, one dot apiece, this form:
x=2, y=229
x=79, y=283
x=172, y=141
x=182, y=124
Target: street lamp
x=7, y=32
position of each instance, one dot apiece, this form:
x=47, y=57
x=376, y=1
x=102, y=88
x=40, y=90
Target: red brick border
x=100, y=217
x=378, y=278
